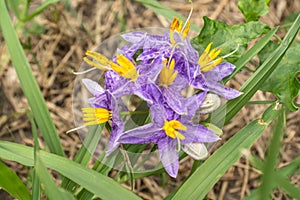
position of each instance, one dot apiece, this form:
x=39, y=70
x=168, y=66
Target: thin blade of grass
x=85, y=153
x=232, y=107
x=28, y=83
x=204, y=178
x=272, y=156
x=36, y=190
x=290, y=168
x=287, y=186
x=40, y=9
x=52, y=191
x=12, y=184
x=100, y=185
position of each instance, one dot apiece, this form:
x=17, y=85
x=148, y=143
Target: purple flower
x=120, y=86
x=103, y=99
x=212, y=71
x=169, y=131
x=215, y=75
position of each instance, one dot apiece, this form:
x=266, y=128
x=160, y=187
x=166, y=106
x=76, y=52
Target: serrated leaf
x=253, y=9
x=228, y=37
x=283, y=82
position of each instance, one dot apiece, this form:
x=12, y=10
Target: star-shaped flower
x=169, y=131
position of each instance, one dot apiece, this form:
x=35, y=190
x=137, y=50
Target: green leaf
x=52, y=191
x=228, y=38
x=253, y=9
x=283, y=82
x=244, y=59
x=203, y=179
x=28, y=83
x=11, y=183
x=257, y=79
x=102, y=186
x=165, y=11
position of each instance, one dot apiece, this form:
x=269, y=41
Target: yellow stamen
x=180, y=28
x=171, y=129
x=93, y=116
x=124, y=66
x=206, y=60
x=99, y=61
x=186, y=30
x=174, y=24
x=167, y=74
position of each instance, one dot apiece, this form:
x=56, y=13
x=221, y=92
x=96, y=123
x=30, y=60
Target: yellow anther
x=99, y=61
x=125, y=68
x=174, y=24
x=206, y=60
x=93, y=116
x=171, y=129
x=213, y=64
x=167, y=74
x=186, y=30
x=179, y=27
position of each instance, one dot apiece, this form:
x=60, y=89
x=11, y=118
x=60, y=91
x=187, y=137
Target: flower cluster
x=157, y=68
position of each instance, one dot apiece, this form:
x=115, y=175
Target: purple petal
x=93, y=87
x=220, y=71
x=179, y=83
x=198, y=133
x=134, y=37
x=141, y=135
x=116, y=132
x=158, y=114
x=151, y=93
x=175, y=100
x=193, y=103
x=227, y=93
x=169, y=155
x=199, y=80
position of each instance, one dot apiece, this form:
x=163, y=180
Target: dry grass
x=59, y=50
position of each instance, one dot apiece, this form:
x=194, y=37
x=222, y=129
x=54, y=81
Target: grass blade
x=11, y=183
x=36, y=190
x=291, y=168
x=272, y=156
x=287, y=186
x=85, y=153
x=28, y=83
x=52, y=191
x=40, y=9
x=102, y=186
x=204, y=178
